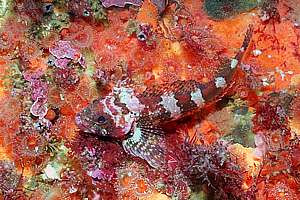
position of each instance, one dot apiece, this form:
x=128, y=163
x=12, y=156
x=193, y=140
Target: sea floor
x=56, y=57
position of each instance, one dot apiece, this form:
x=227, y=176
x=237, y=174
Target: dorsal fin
x=225, y=71
x=177, y=87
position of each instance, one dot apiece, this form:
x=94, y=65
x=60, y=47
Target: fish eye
x=101, y=119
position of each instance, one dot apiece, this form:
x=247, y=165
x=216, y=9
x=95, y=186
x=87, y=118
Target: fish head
x=101, y=118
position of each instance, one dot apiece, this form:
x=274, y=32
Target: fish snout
x=80, y=122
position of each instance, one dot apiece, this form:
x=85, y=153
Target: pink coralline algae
x=39, y=88
x=61, y=62
x=160, y=4
x=100, y=76
x=64, y=53
x=66, y=77
x=120, y=3
x=9, y=178
x=39, y=93
x=39, y=108
x=63, y=49
x=102, y=174
x=261, y=145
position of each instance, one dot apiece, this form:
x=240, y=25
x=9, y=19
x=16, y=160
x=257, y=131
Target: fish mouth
x=82, y=124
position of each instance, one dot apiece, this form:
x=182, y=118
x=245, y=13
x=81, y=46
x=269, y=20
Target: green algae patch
x=99, y=12
x=3, y=7
x=223, y=9
x=49, y=24
x=242, y=124
x=5, y=10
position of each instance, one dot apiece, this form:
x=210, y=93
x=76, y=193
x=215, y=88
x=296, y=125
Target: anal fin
x=148, y=143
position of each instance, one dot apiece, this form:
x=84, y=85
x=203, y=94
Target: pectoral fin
x=147, y=142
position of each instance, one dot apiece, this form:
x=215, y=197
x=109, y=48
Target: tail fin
x=224, y=75
x=238, y=57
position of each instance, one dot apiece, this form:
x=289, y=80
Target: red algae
x=58, y=57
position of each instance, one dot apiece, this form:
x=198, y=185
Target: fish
x=137, y=119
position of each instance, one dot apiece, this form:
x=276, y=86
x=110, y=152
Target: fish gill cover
x=149, y=99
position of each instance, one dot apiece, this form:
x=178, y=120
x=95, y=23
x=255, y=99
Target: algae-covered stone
x=99, y=12
x=200, y=195
x=241, y=132
x=222, y=9
x=4, y=7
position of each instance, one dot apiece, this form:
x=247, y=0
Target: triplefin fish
x=137, y=119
